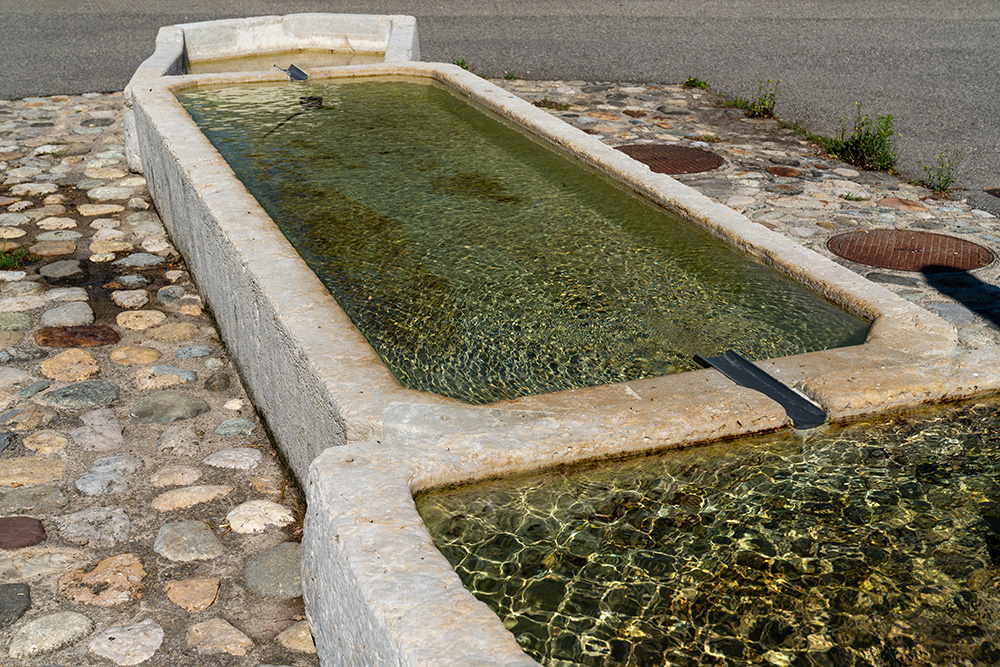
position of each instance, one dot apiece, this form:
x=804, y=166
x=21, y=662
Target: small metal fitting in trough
x=294, y=73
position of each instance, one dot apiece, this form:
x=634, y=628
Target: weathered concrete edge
x=395, y=35
x=167, y=59
x=378, y=591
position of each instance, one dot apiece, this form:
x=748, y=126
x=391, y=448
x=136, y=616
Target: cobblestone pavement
x=144, y=516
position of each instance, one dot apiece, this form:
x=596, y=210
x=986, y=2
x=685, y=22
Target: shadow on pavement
x=979, y=297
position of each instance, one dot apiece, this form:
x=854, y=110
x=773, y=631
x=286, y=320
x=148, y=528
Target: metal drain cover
x=671, y=159
x=904, y=250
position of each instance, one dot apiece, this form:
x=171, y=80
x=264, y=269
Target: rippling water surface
x=875, y=544
x=480, y=265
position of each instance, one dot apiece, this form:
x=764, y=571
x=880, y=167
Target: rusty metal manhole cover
x=671, y=159
x=904, y=250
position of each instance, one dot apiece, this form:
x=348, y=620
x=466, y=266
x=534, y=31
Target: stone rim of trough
x=367, y=552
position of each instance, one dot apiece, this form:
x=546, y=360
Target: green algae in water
x=482, y=266
x=876, y=543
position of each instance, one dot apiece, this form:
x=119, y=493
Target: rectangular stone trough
x=377, y=590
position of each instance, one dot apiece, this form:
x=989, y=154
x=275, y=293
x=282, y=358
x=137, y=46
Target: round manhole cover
x=671, y=159
x=904, y=250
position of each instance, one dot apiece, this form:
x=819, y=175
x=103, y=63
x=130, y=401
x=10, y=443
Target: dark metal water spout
x=294, y=73
x=803, y=412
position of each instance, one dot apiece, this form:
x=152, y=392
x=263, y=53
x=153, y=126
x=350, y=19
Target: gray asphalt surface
x=933, y=64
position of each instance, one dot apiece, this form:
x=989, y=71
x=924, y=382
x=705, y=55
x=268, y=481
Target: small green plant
x=15, y=259
x=794, y=127
x=695, y=82
x=818, y=139
x=546, y=103
x=851, y=196
x=734, y=103
x=708, y=138
x=510, y=76
x=940, y=177
x=761, y=105
x=870, y=145
x=461, y=62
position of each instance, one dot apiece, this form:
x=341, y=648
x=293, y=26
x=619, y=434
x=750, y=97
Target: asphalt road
x=933, y=64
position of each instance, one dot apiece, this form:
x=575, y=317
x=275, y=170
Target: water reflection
x=876, y=543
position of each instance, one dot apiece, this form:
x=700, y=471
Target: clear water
x=482, y=266
x=306, y=58
x=876, y=543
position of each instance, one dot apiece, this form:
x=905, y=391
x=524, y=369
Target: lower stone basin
x=842, y=546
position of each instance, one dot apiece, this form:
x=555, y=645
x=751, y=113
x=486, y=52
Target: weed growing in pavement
x=798, y=129
x=695, y=82
x=940, y=177
x=461, y=62
x=15, y=259
x=510, y=76
x=708, y=138
x=870, y=145
x=850, y=196
x=546, y=103
x=760, y=105
x=734, y=103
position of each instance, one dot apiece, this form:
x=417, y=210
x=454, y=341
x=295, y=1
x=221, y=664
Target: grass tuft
x=870, y=145
x=761, y=105
x=546, y=103
x=11, y=260
x=941, y=176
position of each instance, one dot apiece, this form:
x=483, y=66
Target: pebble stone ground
x=144, y=517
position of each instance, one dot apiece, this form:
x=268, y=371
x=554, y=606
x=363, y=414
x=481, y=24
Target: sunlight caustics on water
x=482, y=266
x=876, y=543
